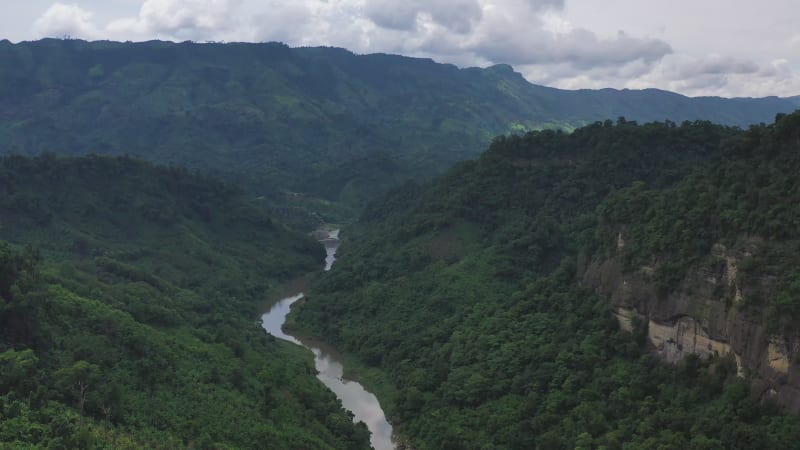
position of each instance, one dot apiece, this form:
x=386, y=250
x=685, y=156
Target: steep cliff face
x=706, y=314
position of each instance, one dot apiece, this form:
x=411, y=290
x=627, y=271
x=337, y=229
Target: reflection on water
x=364, y=405
x=273, y=320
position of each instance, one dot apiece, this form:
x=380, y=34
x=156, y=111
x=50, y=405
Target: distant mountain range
x=317, y=121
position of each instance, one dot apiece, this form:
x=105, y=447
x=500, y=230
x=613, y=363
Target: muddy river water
x=363, y=404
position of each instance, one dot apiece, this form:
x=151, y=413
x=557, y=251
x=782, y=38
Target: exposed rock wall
x=674, y=341
x=702, y=316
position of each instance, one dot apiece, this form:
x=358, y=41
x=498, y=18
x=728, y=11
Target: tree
x=80, y=377
x=15, y=368
x=9, y=270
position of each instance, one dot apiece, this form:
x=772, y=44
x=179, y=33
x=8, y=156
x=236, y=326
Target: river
x=362, y=403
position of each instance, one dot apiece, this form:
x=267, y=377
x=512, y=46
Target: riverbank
x=373, y=379
x=328, y=236
x=330, y=364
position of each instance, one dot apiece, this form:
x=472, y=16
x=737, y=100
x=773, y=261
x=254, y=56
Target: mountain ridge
x=281, y=119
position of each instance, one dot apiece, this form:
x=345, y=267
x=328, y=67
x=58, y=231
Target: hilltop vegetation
x=334, y=127
x=128, y=299
x=752, y=195
x=464, y=292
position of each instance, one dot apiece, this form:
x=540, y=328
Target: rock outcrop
x=704, y=315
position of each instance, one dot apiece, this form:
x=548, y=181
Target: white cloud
x=710, y=65
x=712, y=75
x=393, y=15
x=271, y=24
x=519, y=32
x=182, y=19
x=779, y=69
x=456, y=15
x=60, y=20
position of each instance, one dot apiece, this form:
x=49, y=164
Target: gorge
x=330, y=369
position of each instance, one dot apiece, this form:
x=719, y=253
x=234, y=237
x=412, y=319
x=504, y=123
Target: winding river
x=363, y=404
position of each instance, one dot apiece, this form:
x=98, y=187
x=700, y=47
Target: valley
x=316, y=132
x=514, y=266
x=363, y=404
x=129, y=294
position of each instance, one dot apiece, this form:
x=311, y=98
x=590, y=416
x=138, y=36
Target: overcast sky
x=695, y=47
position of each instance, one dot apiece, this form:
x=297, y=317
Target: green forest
x=156, y=196
x=128, y=298
x=750, y=198
x=464, y=293
x=318, y=130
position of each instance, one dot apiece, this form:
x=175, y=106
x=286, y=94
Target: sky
x=731, y=48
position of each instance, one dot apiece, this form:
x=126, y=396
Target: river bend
x=362, y=403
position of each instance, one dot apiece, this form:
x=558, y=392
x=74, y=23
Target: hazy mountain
x=320, y=121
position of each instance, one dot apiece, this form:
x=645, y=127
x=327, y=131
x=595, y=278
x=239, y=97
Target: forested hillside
x=128, y=298
x=751, y=197
x=466, y=292
x=322, y=122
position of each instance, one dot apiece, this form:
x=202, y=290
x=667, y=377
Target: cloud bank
x=182, y=19
x=62, y=20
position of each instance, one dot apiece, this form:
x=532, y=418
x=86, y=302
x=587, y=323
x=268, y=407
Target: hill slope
x=127, y=314
x=469, y=296
x=319, y=121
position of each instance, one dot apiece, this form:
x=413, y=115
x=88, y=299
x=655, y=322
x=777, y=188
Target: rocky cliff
x=707, y=314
